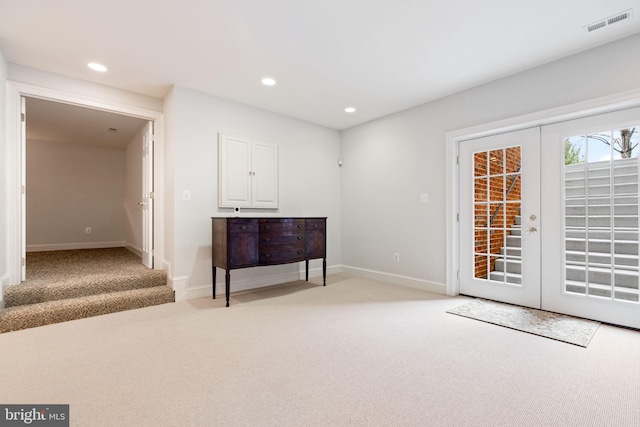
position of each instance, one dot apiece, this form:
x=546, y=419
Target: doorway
x=89, y=179
x=86, y=174
x=549, y=217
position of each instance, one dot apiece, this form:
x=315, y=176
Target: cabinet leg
x=213, y=274
x=306, y=265
x=227, y=285
x=324, y=272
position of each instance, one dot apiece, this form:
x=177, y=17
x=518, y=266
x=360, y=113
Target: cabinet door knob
x=267, y=227
x=299, y=252
x=299, y=225
x=244, y=227
x=299, y=237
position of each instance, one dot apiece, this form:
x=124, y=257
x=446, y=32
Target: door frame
x=16, y=169
x=541, y=118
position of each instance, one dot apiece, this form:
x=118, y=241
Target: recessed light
x=349, y=110
x=97, y=67
x=267, y=81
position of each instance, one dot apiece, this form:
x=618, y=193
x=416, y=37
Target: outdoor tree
x=622, y=145
x=572, y=153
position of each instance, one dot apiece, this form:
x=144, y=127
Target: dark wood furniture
x=251, y=242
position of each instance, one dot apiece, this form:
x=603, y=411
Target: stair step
x=623, y=221
x=618, y=209
x=33, y=293
x=40, y=314
x=512, y=266
x=498, y=276
x=602, y=258
x=602, y=246
x=602, y=276
x=514, y=241
x=512, y=252
x=628, y=236
x=603, y=291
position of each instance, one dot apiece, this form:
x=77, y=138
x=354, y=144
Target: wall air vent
x=609, y=21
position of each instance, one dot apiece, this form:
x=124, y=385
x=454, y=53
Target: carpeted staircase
x=75, y=284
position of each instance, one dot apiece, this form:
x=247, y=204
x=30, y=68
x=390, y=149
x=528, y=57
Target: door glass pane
x=601, y=214
x=497, y=202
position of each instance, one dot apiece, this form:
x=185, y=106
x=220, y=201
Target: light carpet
x=556, y=326
x=354, y=353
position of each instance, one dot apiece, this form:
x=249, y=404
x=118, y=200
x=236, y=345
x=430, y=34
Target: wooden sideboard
x=251, y=242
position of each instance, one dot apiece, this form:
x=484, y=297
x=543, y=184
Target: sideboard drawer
x=281, y=224
x=315, y=223
x=275, y=239
x=238, y=225
x=281, y=254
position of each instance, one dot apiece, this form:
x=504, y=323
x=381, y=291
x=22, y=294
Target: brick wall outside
x=491, y=201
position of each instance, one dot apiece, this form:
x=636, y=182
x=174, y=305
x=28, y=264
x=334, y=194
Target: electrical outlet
x=186, y=194
x=396, y=257
x=87, y=230
x=424, y=198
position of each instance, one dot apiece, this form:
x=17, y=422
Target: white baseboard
x=240, y=285
x=437, y=288
x=136, y=250
x=184, y=292
x=180, y=286
x=70, y=246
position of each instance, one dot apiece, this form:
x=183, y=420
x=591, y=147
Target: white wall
x=33, y=76
x=308, y=171
x=72, y=187
x=133, y=193
x=4, y=191
x=390, y=161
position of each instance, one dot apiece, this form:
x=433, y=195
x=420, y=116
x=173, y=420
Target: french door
x=590, y=215
x=549, y=217
x=499, y=217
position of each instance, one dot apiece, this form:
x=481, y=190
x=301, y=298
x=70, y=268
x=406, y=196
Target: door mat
x=559, y=327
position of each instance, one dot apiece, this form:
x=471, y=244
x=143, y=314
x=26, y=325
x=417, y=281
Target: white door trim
x=15, y=91
x=452, y=139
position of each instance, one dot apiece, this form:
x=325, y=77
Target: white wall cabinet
x=248, y=172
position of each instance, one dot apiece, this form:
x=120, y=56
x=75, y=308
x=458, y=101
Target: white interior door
x=590, y=212
x=147, y=196
x=499, y=217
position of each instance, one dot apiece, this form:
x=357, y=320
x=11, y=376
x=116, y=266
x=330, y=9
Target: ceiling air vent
x=609, y=21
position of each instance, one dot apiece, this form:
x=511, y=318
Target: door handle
x=141, y=203
x=532, y=230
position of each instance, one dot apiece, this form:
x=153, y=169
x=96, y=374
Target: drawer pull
x=267, y=239
x=315, y=225
x=299, y=237
x=299, y=225
x=267, y=255
x=244, y=227
x=299, y=252
x=267, y=227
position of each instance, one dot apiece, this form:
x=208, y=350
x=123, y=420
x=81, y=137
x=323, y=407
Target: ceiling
x=379, y=56
x=56, y=122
